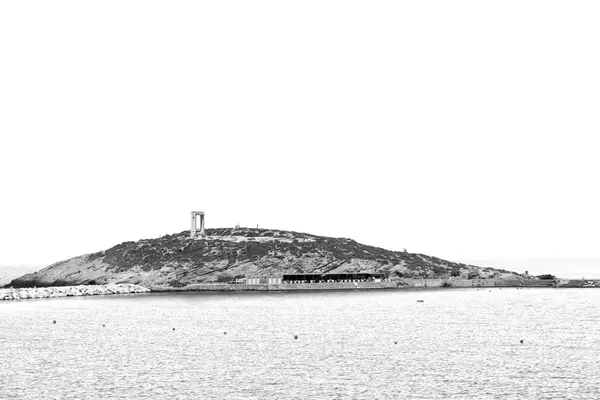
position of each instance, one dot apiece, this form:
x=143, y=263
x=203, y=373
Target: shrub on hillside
x=223, y=278
x=473, y=275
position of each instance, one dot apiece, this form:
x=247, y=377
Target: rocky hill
x=10, y=272
x=228, y=253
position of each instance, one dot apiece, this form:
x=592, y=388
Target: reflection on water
x=455, y=344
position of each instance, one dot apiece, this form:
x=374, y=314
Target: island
x=228, y=259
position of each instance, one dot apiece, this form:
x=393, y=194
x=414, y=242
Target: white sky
x=463, y=129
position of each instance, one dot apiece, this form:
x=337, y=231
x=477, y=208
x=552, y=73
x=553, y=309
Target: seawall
x=67, y=291
x=227, y=287
x=392, y=284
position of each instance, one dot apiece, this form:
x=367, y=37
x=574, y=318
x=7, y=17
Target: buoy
x=54, y=322
x=103, y=325
x=521, y=341
x=173, y=328
x=396, y=342
x=224, y=333
x=295, y=336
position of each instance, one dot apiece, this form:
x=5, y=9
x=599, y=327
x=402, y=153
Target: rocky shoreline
x=128, y=288
x=67, y=291
x=398, y=284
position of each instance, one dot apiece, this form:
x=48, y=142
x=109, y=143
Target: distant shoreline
x=406, y=284
x=400, y=284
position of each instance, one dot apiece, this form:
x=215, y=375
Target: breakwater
x=67, y=291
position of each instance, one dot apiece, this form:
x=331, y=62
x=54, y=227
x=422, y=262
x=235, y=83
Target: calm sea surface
x=458, y=344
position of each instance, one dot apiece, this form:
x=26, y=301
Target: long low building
x=311, y=278
x=262, y=281
x=317, y=278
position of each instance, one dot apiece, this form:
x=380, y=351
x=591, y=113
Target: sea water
x=455, y=344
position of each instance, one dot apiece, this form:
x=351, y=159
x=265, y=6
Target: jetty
x=68, y=291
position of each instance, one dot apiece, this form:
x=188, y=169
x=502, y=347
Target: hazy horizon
x=574, y=268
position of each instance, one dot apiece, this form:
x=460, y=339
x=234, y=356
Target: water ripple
x=457, y=344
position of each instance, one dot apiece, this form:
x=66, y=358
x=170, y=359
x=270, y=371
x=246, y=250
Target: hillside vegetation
x=228, y=253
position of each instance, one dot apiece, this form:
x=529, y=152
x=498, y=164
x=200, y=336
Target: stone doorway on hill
x=197, y=228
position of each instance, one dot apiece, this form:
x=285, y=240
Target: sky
x=465, y=130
